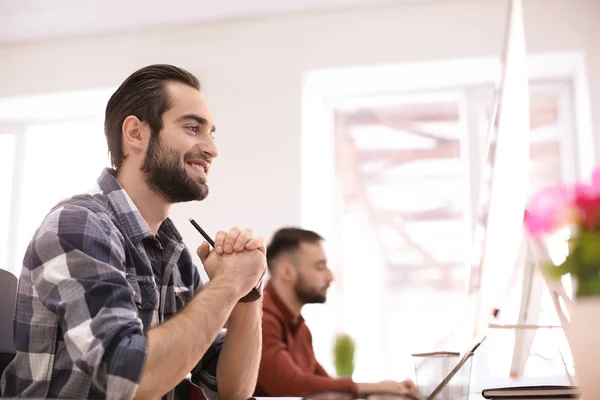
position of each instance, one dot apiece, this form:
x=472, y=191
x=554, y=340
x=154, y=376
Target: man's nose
x=330, y=277
x=209, y=148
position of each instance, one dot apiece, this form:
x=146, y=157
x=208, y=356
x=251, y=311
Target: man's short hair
x=288, y=240
x=144, y=95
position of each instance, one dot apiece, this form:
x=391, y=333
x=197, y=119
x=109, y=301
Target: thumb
x=203, y=251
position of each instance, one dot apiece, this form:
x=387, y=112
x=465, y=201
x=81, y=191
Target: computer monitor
x=502, y=249
x=503, y=192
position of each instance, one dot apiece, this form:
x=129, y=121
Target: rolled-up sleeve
x=78, y=272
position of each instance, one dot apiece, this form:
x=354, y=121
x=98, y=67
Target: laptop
x=475, y=343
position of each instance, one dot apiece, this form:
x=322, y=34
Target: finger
x=401, y=388
x=257, y=243
x=219, y=241
x=410, y=384
x=410, y=387
x=244, y=237
x=230, y=240
x=203, y=251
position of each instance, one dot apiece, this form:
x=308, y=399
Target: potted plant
x=343, y=355
x=576, y=207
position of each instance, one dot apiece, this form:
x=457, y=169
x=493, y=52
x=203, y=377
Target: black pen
x=204, y=234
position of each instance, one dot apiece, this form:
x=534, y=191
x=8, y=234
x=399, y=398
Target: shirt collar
x=127, y=212
x=280, y=306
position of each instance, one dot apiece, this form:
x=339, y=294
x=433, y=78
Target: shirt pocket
x=145, y=293
x=183, y=296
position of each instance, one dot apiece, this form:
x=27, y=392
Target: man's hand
x=406, y=387
x=238, y=259
x=237, y=240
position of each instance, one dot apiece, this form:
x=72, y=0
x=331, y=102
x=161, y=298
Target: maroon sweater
x=288, y=366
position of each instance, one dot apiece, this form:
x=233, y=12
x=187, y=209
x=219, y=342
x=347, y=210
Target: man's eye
x=212, y=135
x=193, y=128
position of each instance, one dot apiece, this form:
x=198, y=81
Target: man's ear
x=135, y=135
x=287, y=271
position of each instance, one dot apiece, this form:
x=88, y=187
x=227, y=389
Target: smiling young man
x=110, y=304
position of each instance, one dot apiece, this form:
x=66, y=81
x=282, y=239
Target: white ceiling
x=22, y=20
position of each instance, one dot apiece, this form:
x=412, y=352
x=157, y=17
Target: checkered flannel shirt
x=94, y=281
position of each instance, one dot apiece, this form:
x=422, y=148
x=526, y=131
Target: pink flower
x=587, y=200
x=548, y=209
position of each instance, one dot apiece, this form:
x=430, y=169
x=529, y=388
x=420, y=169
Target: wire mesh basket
x=432, y=368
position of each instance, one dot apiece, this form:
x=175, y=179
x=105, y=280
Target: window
x=405, y=183
x=57, y=149
x=60, y=160
x=410, y=125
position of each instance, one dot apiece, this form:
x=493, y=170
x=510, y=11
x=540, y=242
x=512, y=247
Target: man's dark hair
x=288, y=240
x=144, y=95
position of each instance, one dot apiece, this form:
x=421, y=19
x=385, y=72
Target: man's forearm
x=176, y=346
x=237, y=369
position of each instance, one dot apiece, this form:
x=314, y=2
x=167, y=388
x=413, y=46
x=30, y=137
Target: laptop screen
x=463, y=359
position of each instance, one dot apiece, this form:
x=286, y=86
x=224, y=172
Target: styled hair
x=144, y=95
x=287, y=241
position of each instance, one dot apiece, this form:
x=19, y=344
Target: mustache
x=195, y=155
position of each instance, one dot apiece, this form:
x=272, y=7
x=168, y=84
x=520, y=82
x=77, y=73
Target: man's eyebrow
x=195, y=117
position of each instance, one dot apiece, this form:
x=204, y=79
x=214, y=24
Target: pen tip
x=190, y=219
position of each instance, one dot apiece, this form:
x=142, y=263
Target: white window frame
x=17, y=114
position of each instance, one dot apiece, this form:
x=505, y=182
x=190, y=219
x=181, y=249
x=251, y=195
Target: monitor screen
x=504, y=185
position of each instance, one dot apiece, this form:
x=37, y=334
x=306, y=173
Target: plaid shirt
x=94, y=281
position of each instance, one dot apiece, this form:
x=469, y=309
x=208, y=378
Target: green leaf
x=343, y=352
x=589, y=249
x=588, y=287
x=569, y=266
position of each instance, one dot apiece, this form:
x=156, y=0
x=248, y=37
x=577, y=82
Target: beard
x=166, y=175
x=308, y=295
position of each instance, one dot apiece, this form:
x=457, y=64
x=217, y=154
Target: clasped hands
x=238, y=259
